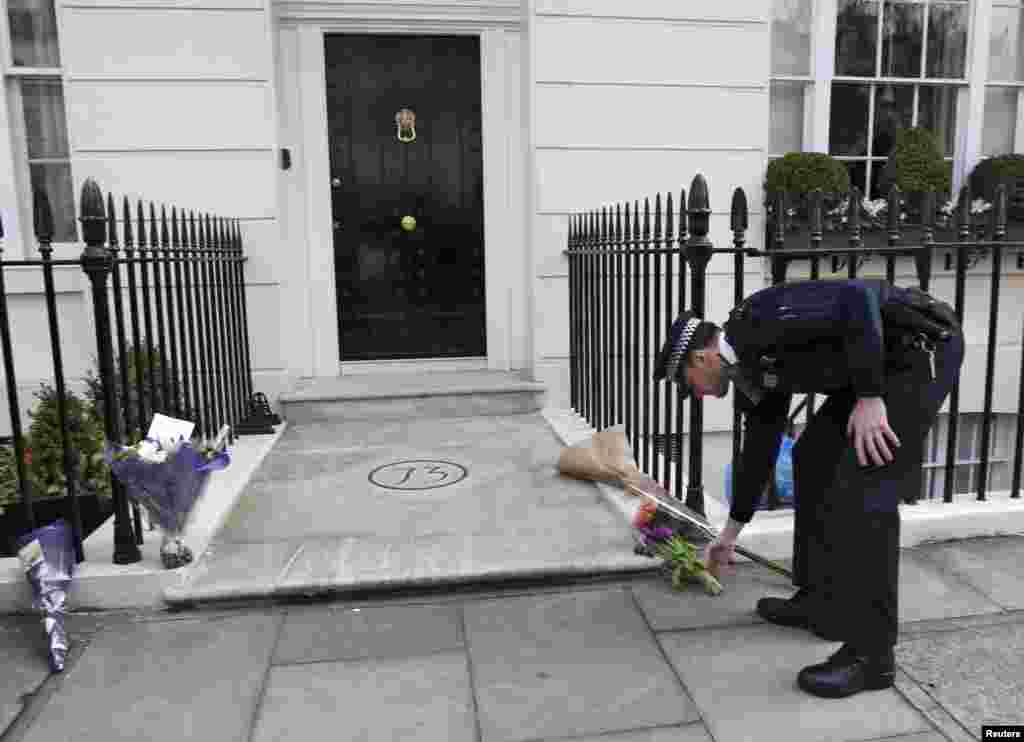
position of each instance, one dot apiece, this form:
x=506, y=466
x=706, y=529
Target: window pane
x=902, y=37
x=33, y=33
x=55, y=180
x=938, y=113
x=1006, y=60
x=894, y=110
x=947, y=40
x=848, y=119
x=858, y=172
x=1000, y=121
x=875, y=186
x=856, y=37
x=45, y=128
x=787, y=117
x=791, y=37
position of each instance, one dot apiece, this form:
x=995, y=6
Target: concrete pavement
x=617, y=660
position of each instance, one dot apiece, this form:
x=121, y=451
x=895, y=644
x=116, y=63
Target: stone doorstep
x=770, y=534
x=408, y=386
x=99, y=584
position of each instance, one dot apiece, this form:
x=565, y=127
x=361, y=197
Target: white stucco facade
x=585, y=103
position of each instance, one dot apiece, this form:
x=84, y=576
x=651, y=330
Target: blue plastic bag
x=783, y=477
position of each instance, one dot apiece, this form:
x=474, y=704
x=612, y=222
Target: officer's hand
x=873, y=439
x=718, y=555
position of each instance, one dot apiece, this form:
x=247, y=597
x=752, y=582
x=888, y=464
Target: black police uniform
x=846, y=536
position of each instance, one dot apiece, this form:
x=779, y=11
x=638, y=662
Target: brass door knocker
x=405, y=121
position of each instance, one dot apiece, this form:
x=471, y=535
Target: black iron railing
x=171, y=337
x=622, y=301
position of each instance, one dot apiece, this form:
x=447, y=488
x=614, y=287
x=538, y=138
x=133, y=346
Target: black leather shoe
x=848, y=672
x=798, y=611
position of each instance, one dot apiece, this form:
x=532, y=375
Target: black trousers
x=847, y=524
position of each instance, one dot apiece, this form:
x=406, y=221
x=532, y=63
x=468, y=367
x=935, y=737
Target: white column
x=528, y=77
x=823, y=64
x=971, y=102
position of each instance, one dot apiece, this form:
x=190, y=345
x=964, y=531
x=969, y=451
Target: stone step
x=410, y=395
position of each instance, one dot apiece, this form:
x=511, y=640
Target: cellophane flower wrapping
x=167, y=483
x=665, y=538
x=48, y=557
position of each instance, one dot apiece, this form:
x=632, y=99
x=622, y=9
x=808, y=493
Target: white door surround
x=308, y=293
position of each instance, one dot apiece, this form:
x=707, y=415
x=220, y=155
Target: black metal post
x=154, y=243
x=620, y=411
x=817, y=207
x=212, y=346
x=954, y=395
x=173, y=402
x=856, y=240
x=202, y=319
x=669, y=249
x=228, y=329
x=96, y=263
x=645, y=247
x=779, y=263
x=43, y=219
x=893, y=237
x=656, y=339
x=998, y=235
x=681, y=242
x=133, y=306
x=147, y=313
x=739, y=219
x=637, y=379
x=608, y=339
x=187, y=363
x=923, y=254
x=698, y=254
x=119, y=325
x=12, y=396
x=630, y=336
x=571, y=267
x=244, y=310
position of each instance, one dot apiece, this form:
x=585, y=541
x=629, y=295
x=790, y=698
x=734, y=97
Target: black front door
x=408, y=215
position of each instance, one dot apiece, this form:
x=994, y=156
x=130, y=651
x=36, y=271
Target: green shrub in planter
x=45, y=452
x=992, y=171
x=9, y=493
x=803, y=172
x=916, y=164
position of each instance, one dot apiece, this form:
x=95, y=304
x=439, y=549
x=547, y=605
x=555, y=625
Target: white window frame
x=1018, y=133
x=970, y=103
x=15, y=178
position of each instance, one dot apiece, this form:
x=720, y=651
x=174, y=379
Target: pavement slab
x=927, y=592
x=978, y=674
x=994, y=566
x=668, y=609
x=743, y=680
x=419, y=698
x=569, y=665
x=23, y=659
x=163, y=682
x=339, y=632
x=685, y=733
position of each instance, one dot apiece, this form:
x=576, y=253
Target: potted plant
x=797, y=175
x=44, y=466
x=1007, y=170
x=916, y=166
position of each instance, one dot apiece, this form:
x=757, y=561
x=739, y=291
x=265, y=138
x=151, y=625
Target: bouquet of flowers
x=48, y=557
x=166, y=473
x=663, y=539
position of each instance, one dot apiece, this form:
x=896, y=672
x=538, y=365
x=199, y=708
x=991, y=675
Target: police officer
x=859, y=456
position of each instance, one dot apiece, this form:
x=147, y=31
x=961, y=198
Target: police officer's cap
x=688, y=332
